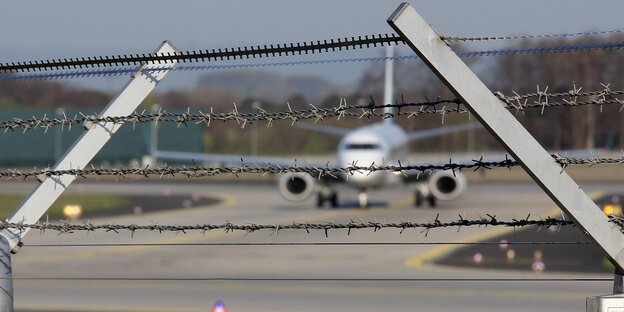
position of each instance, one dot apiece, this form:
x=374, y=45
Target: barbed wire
x=198, y=171
x=316, y=171
x=263, y=51
x=182, y=119
x=603, y=96
x=574, y=92
x=318, y=114
x=540, y=36
x=618, y=221
x=517, y=102
x=327, y=45
x=539, y=50
x=299, y=279
x=306, y=244
x=66, y=227
x=544, y=103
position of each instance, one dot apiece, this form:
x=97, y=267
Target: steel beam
x=501, y=123
x=6, y=277
x=89, y=144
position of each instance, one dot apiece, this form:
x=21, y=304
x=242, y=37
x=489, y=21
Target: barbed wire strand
x=182, y=119
x=573, y=92
x=518, y=102
x=271, y=51
x=618, y=221
x=302, y=279
x=340, y=111
x=539, y=36
x=304, y=244
x=315, y=171
x=66, y=227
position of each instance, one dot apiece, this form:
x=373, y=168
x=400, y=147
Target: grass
x=91, y=203
x=606, y=263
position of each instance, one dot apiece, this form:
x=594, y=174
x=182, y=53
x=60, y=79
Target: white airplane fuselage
x=379, y=144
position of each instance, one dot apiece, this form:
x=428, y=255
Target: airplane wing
x=224, y=160
x=230, y=159
x=416, y=135
x=429, y=133
x=323, y=128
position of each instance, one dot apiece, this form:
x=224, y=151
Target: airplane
x=381, y=143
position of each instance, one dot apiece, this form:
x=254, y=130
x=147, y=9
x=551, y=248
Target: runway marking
x=434, y=253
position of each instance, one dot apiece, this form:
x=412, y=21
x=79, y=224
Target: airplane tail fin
x=389, y=82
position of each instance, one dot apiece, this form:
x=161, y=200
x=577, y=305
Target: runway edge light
x=219, y=307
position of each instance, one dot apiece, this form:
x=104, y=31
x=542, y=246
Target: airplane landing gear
x=418, y=198
x=325, y=196
x=422, y=194
x=432, y=201
x=362, y=199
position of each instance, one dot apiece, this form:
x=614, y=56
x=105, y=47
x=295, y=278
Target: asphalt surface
x=573, y=258
x=260, y=203
x=513, y=252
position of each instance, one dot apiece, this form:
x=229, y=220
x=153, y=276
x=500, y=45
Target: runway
x=261, y=204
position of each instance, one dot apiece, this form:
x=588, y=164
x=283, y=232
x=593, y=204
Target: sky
x=32, y=30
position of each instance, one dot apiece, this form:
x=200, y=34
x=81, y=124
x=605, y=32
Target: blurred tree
x=564, y=128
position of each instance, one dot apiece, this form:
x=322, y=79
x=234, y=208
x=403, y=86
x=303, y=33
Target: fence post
x=6, y=276
x=89, y=144
x=501, y=123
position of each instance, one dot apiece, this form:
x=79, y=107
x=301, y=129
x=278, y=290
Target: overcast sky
x=69, y=28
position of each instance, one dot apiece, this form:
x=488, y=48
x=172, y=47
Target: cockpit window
x=361, y=146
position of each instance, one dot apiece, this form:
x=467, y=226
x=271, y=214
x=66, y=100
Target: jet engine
x=296, y=186
x=443, y=185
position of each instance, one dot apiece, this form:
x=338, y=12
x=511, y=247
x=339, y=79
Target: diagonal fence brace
x=96, y=135
x=501, y=123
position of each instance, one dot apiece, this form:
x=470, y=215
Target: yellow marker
x=612, y=210
x=72, y=212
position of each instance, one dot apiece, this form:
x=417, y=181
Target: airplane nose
x=366, y=178
x=363, y=178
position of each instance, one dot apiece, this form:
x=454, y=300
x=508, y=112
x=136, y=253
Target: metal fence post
x=6, y=276
x=501, y=123
x=89, y=144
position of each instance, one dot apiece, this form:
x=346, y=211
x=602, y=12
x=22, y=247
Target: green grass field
x=92, y=203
